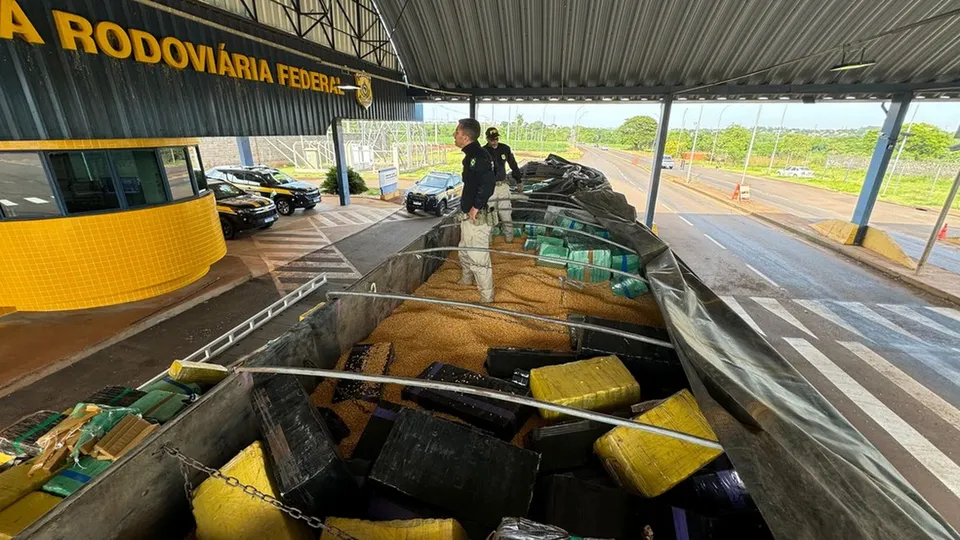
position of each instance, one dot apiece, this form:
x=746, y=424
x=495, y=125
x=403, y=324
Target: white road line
x=908, y=313
x=872, y=315
x=945, y=311
x=338, y=216
x=324, y=221
x=6, y=202
x=761, y=274
x=773, y=306
x=359, y=217
x=710, y=238
x=738, y=309
x=939, y=365
x=685, y=220
x=822, y=310
x=909, y=385
x=909, y=438
x=36, y=200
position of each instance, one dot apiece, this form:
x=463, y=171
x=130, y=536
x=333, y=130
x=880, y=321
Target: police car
x=435, y=192
x=240, y=211
x=287, y=192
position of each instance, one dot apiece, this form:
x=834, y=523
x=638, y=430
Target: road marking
x=909, y=385
x=909, y=438
x=738, y=309
x=761, y=274
x=710, y=238
x=684, y=220
x=906, y=312
x=323, y=221
x=822, y=310
x=36, y=200
x=945, y=311
x=773, y=306
x=872, y=315
x=939, y=365
x=6, y=202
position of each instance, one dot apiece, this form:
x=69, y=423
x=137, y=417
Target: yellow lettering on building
x=146, y=48
x=242, y=64
x=283, y=74
x=112, y=40
x=174, y=53
x=73, y=28
x=324, y=83
x=201, y=57
x=265, y=74
x=14, y=22
x=224, y=64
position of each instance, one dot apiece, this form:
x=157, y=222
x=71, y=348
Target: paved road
x=887, y=357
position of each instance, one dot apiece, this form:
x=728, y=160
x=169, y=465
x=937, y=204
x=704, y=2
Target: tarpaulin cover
x=811, y=473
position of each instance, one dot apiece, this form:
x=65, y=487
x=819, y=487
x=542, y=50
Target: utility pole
x=753, y=138
x=693, y=150
x=683, y=126
x=896, y=160
x=717, y=134
x=777, y=142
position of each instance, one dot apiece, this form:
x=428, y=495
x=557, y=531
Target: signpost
x=389, y=178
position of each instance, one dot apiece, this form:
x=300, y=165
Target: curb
x=822, y=242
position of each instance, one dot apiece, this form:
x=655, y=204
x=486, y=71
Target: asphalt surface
x=886, y=356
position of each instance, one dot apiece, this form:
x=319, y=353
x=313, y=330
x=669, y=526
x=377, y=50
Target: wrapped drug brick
x=167, y=384
x=159, y=406
x=499, y=417
x=499, y=229
x=413, y=529
x=591, y=255
x=624, y=261
x=335, y=425
x=376, y=431
x=541, y=240
x=564, y=446
x=474, y=477
x=17, y=517
x=554, y=251
x=114, y=396
x=16, y=482
x=530, y=243
x=69, y=480
x=518, y=528
x=565, y=223
x=712, y=493
x=597, y=384
x=628, y=287
x=583, y=507
x=197, y=372
x=373, y=359
x=128, y=432
x=309, y=473
x=534, y=230
x=20, y=438
x=503, y=361
x=223, y=512
x=649, y=464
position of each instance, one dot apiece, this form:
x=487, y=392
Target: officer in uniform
x=476, y=220
x=502, y=155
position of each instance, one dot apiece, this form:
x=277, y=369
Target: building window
x=140, y=177
x=24, y=188
x=178, y=172
x=199, y=178
x=85, y=182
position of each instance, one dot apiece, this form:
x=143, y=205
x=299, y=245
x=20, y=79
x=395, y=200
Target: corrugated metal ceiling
x=666, y=44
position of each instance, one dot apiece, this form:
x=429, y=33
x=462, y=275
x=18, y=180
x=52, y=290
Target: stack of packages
x=49, y=455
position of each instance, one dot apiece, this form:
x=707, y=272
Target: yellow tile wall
x=100, y=260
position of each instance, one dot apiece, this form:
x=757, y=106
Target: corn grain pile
x=424, y=333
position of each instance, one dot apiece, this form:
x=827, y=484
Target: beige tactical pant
x=476, y=265
x=501, y=192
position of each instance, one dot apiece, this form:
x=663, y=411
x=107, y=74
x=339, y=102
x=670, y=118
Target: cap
x=492, y=133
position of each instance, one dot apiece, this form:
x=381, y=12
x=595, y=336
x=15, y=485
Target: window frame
x=54, y=189
x=166, y=179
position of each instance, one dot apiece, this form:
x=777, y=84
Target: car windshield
x=667, y=158
x=224, y=191
x=434, y=181
x=280, y=178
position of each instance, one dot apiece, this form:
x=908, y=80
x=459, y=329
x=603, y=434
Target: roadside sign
x=389, y=178
x=741, y=192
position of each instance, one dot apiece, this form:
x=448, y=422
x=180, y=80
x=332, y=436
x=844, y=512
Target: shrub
x=357, y=185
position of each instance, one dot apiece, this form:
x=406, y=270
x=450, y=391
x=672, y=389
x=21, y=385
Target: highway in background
x=886, y=356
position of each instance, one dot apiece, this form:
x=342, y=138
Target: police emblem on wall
x=365, y=92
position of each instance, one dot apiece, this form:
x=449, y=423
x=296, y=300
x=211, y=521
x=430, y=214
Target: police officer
x=475, y=219
x=502, y=155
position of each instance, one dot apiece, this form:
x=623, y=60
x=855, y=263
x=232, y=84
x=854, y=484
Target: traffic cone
x=942, y=235
x=636, y=161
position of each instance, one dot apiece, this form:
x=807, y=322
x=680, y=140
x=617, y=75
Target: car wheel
x=229, y=231
x=267, y=226
x=284, y=206
x=442, y=208
x=311, y=207
x=411, y=209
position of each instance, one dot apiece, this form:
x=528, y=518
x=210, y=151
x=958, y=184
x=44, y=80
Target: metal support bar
x=473, y=106
x=581, y=233
x=887, y=141
x=940, y=220
x=246, y=154
x=518, y=200
x=661, y=143
x=341, y=154
x=507, y=312
x=214, y=348
x=487, y=393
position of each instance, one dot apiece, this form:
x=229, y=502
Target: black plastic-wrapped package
x=566, y=446
x=373, y=359
x=376, y=431
x=712, y=493
x=309, y=473
x=693, y=526
x=521, y=378
x=20, y=438
x=335, y=425
x=115, y=396
x=583, y=507
x=471, y=476
x=501, y=362
x=499, y=417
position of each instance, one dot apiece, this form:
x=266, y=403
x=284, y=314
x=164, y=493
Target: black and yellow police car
x=435, y=192
x=240, y=211
x=287, y=192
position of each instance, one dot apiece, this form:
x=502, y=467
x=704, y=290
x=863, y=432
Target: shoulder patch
x=503, y=157
x=473, y=161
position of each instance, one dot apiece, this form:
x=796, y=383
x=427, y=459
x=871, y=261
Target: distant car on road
x=287, y=192
x=435, y=192
x=240, y=211
x=796, y=172
x=667, y=163
x=604, y=148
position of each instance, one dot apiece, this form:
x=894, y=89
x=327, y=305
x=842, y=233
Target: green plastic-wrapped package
x=541, y=240
x=74, y=477
x=581, y=253
x=530, y=243
x=551, y=250
x=169, y=385
x=624, y=261
x=534, y=230
x=159, y=406
x=98, y=426
x=629, y=287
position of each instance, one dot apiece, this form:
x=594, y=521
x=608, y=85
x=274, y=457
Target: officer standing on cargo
x=502, y=155
x=476, y=220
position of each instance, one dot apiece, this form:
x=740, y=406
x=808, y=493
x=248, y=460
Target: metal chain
x=187, y=461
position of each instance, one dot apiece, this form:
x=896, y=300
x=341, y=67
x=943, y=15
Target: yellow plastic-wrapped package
x=197, y=372
x=21, y=514
x=412, y=529
x=17, y=481
x=650, y=464
x=227, y=513
x=597, y=384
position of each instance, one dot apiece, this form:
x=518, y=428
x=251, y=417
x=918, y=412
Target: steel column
x=661, y=142
x=246, y=154
x=473, y=106
x=889, y=134
x=341, y=154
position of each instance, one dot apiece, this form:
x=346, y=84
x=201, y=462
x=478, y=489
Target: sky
x=945, y=114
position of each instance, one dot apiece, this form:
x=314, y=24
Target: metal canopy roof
x=574, y=49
